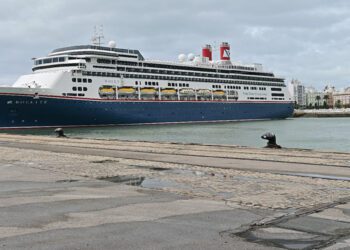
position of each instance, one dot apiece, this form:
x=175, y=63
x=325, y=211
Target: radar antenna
x=97, y=38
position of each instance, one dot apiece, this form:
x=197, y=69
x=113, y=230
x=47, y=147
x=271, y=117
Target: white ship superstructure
x=114, y=75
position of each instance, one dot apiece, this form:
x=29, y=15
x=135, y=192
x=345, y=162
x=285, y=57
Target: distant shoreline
x=322, y=113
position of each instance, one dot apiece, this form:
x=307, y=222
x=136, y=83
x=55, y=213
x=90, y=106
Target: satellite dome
x=112, y=44
x=190, y=56
x=182, y=57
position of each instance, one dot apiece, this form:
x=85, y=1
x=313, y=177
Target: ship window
x=105, y=61
x=81, y=94
x=84, y=80
x=276, y=89
x=61, y=59
x=48, y=60
x=74, y=88
x=55, y=59
x=85, y=89
x=277, y=94
x=64, y=94
x=79, y=79
x=74, y=79
x=80, y=88
x=88, y=59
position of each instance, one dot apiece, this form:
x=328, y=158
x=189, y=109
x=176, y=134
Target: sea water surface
x=312, y=133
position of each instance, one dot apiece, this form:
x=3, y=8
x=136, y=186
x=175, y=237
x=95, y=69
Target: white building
x=319, y=99
x=299, y=94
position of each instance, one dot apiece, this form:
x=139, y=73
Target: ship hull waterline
x=26, y=111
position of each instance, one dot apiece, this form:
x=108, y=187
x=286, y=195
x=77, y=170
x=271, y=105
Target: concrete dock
x=71, y=193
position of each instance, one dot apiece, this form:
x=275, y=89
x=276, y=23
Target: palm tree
x=318, y=98
x=325, y=103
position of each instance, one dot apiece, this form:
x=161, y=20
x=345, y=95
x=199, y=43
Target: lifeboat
x=126, y=90
x=203, y=92
x=168, y=91
x=148, y=91
x=107, y=90
x=218, y=93
x=187, y=91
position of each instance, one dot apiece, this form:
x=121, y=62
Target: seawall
x=322, y=113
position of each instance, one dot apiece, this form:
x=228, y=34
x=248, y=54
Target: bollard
x=271, y=140
x=59, y=132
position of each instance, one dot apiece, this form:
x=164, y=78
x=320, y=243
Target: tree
x=325, y=105
x=338, y=104
x=318, y=98
x=325, y=102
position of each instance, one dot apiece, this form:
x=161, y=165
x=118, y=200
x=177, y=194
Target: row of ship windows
x=149, y=83
x=187, y=68
x=172, y=78
x=256, y=88
x=79, y=88
x=73, y=94
x=234, y=87
x=257, y=98
x=50, y=60
x=190, y=73
x=84, y=80
x=171, y=84
x=277, y=98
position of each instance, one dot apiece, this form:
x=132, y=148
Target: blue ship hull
x=24, y=111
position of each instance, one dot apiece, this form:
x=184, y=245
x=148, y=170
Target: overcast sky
x=304, y=39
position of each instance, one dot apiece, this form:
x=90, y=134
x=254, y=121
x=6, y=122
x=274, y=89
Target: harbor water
x=332, y=134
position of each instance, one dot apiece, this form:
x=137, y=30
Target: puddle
x=159, y=169
x=320, y=176
x=65, y=181
x=158, y=184
x=145, y=182
x=105, y=161
x=150, y=167
x=294, y=240
x=129, y=180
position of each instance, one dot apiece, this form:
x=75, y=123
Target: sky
x=308, y=40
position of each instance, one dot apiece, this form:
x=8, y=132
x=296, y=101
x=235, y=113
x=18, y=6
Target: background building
x=299, y=93
x=314, y=98
x=342, y=99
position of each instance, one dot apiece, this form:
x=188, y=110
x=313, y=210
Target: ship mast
x=97, y=38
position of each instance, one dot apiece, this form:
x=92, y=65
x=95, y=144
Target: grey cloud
x=308, y=40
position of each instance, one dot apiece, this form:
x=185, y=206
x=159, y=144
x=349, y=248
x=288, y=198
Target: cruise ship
x=95, y=85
